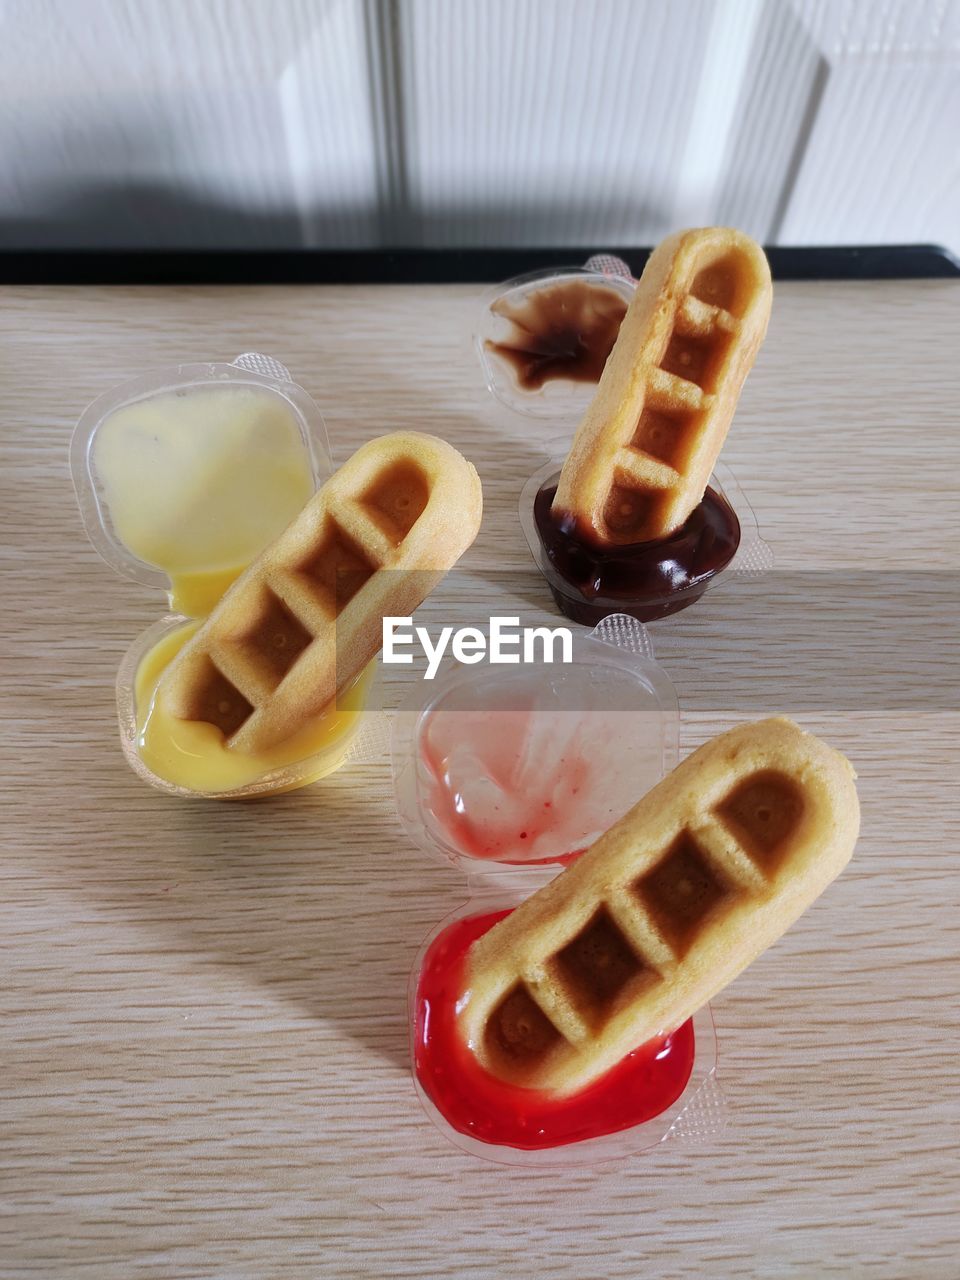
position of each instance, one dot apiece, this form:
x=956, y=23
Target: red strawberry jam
x=474, y=1102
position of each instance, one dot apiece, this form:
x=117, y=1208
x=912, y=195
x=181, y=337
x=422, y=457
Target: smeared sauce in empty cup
x=534, y=763
x=563, y=331
x=198, y=481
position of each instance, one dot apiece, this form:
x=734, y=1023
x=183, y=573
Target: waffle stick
x=644, y=452
x=305, y=619
x=665, y=909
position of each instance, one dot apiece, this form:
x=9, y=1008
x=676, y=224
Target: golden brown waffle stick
x=306, y=618
x=665, y=909
x=644, y=452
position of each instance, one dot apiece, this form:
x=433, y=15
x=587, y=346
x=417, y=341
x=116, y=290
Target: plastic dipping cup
x=648, y=580
x=525, y=766
x=190, y=760
x=542, y=338
x=668, y=1092
x=184, y=475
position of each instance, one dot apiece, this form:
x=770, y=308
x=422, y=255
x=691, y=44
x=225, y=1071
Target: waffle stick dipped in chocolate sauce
x=665, y=909
x=644, y=451
x=305, y=619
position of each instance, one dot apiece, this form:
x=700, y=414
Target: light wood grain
x=204, y=1060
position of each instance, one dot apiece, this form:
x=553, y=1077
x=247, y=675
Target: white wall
x=473, y=122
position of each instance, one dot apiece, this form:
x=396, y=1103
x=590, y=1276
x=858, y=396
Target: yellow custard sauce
x=198, y=481
x=192, y=754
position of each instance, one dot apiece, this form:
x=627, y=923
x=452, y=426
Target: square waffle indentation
x=216, y=701
x=274, y=640
x=518, y=1030
x=337, y=569
x=598, y=968
x=665, y=436
x=396, y=501
x=696, y=359
x=683, y=893
x=762, y=813
x=719, y=284
x=627, y=512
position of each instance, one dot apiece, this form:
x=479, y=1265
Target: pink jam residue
x=530, y=768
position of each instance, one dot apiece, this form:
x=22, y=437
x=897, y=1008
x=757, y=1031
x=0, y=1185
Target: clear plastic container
x=544, y=722
x=559, y=397
x=268, y=437
x=696, y=1115
x=251, y=371
x=752, y=555
x=522, y=766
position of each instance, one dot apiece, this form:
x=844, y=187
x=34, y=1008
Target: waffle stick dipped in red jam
x=665, y=909
x=305, y=619
x=645, y=449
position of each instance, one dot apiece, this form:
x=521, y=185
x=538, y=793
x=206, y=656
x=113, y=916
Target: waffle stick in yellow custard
x=665, y=909
x=305, y=619
x=644, y=452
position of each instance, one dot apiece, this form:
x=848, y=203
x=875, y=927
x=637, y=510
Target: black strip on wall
x=424, y=266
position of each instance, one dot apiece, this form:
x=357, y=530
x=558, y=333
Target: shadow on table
x=311, y=894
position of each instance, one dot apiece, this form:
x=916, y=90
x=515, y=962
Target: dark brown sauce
x=565, y=330
x=647, y=580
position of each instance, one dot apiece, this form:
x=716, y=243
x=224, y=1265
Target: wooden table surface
x=205, y=1068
